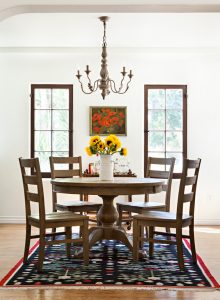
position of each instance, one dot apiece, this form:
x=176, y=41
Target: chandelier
x=105, y=83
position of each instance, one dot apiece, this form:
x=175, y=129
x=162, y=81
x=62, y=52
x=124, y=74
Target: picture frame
x=105, y=120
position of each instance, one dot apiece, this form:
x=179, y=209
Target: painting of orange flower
x=105, y=120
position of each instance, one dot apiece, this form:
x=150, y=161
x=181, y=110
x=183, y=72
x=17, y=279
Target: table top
x=120, y=185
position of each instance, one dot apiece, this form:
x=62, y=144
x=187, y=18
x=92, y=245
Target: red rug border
x=17, y=265
x=204, y=268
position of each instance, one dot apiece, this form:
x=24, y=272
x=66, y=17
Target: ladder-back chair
x=161, y=168
x=70, y=167
x=178, y=220
x=33, y=192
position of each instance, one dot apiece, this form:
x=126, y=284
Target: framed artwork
x=105, y=120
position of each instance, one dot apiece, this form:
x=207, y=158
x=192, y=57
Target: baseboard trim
x=207, y=222
x=12, y=220
x=21, y=220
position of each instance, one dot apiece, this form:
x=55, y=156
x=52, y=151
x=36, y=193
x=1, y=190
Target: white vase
x=106, y=167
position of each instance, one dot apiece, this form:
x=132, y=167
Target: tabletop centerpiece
x=105, y=149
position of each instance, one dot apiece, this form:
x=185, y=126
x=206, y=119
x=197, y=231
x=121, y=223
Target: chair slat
x=158, y=174
x=190, y=180
x=33, y=197
x=161, y=161
x=28, y=163
x=30, y=179
x=188, y=197
x=66, y=173
x=192, y=164
x=65, y=160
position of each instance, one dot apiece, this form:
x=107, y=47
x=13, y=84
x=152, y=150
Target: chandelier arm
x=96, y=85
x=121, y=84
x=127, y=87
x=113, y=86
x=91, y=91
x=119, y=90
x=90, y=83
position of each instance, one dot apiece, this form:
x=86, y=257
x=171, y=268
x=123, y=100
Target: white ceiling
x=133, y=23
x=123, y=30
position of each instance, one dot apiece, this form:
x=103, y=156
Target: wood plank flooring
x=11, y=250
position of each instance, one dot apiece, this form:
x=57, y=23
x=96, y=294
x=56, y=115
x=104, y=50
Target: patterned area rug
x=110, y=265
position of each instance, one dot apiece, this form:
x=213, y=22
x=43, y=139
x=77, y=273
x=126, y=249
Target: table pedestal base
x=109, y=233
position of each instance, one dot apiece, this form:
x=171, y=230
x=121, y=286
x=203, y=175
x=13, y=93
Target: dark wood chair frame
x=43, y=220
x=152, y=172
x=177, y=220
x=71, y=171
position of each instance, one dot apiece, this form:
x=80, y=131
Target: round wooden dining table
x=107, y=190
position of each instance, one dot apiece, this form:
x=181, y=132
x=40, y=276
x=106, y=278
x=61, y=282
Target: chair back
x=65, y=167
x=33, y=186
x=161, y=168
x=188, y=182
x=72, y=166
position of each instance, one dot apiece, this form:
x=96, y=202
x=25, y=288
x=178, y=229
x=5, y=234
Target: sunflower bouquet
x=110, y=145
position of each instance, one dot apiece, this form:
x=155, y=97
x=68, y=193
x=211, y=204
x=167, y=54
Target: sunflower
x=88, y=151
x=123, y=151
x=94, y=140
x=117, y=142
x=100, y=146
x=109, y=141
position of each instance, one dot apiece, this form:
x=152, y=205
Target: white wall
x=198, y=68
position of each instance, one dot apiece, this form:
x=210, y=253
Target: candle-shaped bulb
x=130, y=75
x=123, y=69
x=87, y=67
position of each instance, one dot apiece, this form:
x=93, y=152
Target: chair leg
x=54, y=209
x=85, y=236
x=41, y=249
x=179, y=248
x=136, y=232
x=151, y=243
x=192, y=243
x=119, y=221
x=141, y=235
x=68, y=245
x=81, y=228
x=27, y=242
x=146, y=232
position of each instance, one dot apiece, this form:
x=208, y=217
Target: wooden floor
x=11, y=250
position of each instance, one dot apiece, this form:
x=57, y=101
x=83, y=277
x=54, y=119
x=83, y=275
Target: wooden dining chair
x=178, y=220
x=33, y=193
x=64, y=167
x=161, y=168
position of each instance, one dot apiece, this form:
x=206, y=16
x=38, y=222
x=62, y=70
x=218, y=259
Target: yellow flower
x=117, y=144
x=109, y=141
x=100, y=146
x=114, y=137
x=94, y=140
x=123, y=151
x=88, y=151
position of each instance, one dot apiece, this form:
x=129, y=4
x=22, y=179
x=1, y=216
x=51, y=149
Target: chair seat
x=78, y=206
x=142, y=205
x=161, y=216
x=59, y=217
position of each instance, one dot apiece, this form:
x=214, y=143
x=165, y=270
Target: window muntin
x=51, y=123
